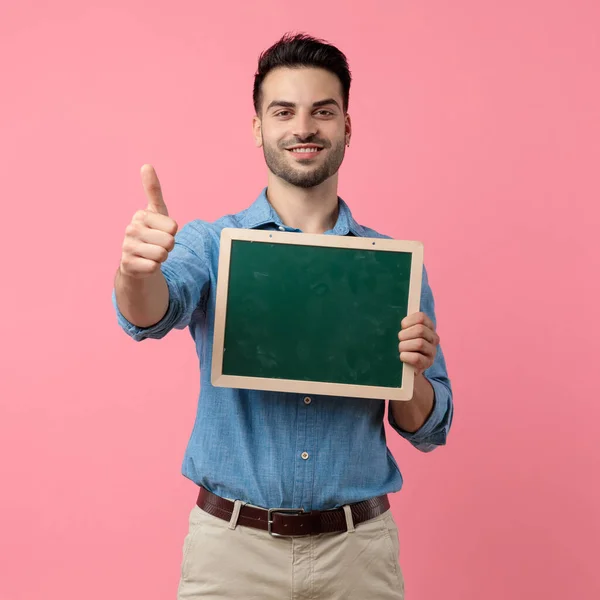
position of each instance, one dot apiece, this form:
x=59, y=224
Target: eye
x=283, y=113
x=323, y=112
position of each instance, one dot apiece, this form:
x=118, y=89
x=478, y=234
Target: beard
x=278, y=165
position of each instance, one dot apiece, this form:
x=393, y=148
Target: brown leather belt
x=288, y=522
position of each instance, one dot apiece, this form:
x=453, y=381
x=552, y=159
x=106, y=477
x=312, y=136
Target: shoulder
x=365, y=231
x=354, y=227
x=204, y=236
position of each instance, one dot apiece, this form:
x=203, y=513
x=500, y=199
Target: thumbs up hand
x=151, y=234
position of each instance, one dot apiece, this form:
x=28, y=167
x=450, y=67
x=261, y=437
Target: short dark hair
x=302, y=50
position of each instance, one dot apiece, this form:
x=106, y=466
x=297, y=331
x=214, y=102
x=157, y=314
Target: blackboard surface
x=314, y=313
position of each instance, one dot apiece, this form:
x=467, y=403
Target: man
x=252, y=451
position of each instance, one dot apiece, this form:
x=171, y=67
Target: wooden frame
x=219, y=379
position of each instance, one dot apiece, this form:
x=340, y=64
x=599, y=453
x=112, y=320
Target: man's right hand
x=151, y=234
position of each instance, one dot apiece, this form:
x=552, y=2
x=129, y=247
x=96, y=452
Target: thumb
x=153, y=190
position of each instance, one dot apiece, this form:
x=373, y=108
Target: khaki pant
x=228, y=561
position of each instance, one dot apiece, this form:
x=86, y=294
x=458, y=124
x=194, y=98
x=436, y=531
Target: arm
x=424, y=420
x=172, y=294
x=143, y=302
x=162, y=274
x=411, y=416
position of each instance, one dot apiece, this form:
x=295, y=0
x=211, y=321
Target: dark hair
x=302, y=50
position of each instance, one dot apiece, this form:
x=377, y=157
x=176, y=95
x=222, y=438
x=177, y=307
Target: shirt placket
x=305, y=452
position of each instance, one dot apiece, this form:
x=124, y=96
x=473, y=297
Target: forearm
x=411, y=415
x=142, y=301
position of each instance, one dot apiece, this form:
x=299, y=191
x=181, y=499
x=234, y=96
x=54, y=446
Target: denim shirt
x=274, y=449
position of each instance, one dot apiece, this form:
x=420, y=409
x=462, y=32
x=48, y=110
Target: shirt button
x=304, y=455
x=307, y=400
x=281, y=228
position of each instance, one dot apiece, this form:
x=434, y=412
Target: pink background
x=476, y=130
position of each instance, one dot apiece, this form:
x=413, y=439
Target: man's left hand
x=418, y=342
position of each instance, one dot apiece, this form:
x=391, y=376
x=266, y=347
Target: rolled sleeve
x=158, y=330
x=434, y=431
x=187, y=275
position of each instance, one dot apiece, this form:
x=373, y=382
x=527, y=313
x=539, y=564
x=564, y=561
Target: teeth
x=305, y=150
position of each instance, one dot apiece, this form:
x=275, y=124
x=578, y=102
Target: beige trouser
x=228, y=561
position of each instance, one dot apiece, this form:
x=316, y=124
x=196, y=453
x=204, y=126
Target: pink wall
x=476, y=130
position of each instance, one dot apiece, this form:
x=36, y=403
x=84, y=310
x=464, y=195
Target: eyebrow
x=285, y=104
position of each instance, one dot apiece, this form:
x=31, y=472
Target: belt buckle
x=289, y=511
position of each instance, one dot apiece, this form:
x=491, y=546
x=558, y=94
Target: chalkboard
x=314, y=314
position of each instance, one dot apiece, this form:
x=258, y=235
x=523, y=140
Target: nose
x=304, y=126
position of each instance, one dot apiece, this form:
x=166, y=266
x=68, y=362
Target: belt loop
x=349, y=519
x=237, y=506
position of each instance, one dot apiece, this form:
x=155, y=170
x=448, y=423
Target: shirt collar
x=261, y=213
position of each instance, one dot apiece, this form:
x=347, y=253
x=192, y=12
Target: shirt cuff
x=435, y=429
x=156, y=331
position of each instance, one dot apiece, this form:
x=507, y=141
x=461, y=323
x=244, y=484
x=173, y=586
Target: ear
x=348, y=128
x=257, y=130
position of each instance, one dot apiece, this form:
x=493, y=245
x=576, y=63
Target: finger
x=153, y=190
x=151, y=252
x=136, y=266
x=419, y=318
x=418, y=345
x=160, y=222
x=157, y=238
x=416, y=360
x=144, y=220
x=419, y=331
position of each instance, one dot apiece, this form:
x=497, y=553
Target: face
x=302, y=127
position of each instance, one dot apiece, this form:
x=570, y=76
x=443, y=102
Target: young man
x=253, y=451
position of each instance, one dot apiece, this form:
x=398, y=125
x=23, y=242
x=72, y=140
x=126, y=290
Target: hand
x=151, y=234
x=418, y=342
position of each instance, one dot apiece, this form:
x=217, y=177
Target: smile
x=305, y=150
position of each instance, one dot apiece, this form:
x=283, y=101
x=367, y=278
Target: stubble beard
x=278, y=165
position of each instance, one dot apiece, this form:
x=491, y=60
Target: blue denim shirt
x=253, y=445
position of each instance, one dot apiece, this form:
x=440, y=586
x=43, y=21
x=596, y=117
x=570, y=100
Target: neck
x=312, y=210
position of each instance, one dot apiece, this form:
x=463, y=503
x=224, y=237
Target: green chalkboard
x=300, y=312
